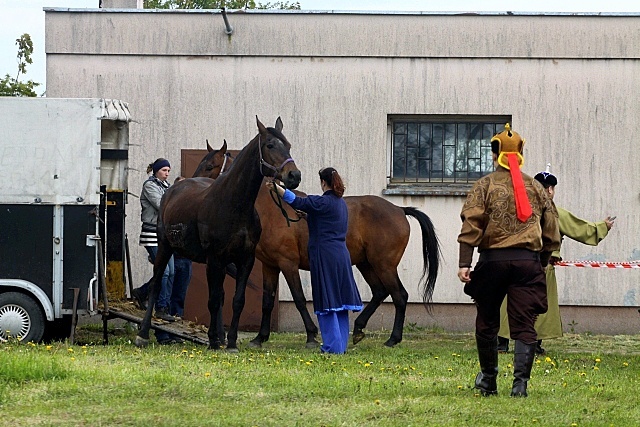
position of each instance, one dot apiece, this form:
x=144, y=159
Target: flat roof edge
x=339, y=12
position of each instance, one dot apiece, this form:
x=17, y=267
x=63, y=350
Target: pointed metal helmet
x=509, y=142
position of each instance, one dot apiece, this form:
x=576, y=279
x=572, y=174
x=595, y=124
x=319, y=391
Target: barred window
x=442, y=149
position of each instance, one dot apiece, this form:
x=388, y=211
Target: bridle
x=224, y=162
x=262, y=163
x=277, y=199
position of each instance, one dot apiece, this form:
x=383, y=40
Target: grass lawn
x=426, y=380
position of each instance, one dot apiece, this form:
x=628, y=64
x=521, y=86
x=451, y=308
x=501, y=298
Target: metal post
x=74, y=315
x=105, y=300
x=128, y=259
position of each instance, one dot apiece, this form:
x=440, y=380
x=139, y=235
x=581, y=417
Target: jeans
x=181, y=281
x=167, y=280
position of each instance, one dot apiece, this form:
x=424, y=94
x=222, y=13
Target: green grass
x=426, y=380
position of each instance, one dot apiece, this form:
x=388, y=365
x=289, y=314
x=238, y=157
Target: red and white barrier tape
x=595, y=264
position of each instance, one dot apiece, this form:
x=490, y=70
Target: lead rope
x=279, y=203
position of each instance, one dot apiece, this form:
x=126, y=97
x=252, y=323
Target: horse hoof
x=233, y=350
x=391, y=342
x=256, y=343
x=312, y=344
x=141, y=342
x=357, y=337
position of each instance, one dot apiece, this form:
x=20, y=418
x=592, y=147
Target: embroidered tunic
x=489, y=218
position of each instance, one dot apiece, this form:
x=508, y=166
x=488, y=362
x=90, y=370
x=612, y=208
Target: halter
x=263, y=163
x=224, y=162
x=277, y=199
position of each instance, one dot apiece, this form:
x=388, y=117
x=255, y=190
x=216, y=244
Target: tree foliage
x=10, y=86
x=219, y=4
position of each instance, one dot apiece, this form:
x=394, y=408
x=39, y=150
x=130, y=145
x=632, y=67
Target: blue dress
x=332, y=283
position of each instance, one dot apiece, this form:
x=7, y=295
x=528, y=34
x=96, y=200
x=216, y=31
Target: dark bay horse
x=377, y=236
x=215, y=222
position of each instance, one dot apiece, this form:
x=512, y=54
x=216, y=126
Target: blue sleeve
x=311, y=204
x=288, y=196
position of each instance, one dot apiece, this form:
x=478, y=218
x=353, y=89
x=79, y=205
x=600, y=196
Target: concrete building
x=403, y=104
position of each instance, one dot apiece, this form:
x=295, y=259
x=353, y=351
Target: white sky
x=26, y=16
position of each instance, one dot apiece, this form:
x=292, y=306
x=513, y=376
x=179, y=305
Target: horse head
x=214, y=163
x=275, y=158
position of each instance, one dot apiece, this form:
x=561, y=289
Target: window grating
x=443, y=152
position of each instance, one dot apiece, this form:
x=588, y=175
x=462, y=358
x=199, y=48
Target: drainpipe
x=228, y=28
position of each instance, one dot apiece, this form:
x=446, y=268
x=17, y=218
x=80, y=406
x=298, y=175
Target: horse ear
x=279, y=124
x=224, y=147
x=261, y=128
x=209, y=149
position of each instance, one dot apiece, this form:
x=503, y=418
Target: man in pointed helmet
x=513, y=222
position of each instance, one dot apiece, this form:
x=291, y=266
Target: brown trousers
x=523, y=281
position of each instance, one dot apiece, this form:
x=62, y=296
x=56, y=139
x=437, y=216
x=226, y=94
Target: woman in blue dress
x=333, y=287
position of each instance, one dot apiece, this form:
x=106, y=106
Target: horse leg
x=379, y=293
x=292, y=276
x=400, y=297
x=244, y=269
x=160, y=264
x=215, y=282
x=269, y=290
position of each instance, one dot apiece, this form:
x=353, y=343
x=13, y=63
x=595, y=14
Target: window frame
x=427, y=187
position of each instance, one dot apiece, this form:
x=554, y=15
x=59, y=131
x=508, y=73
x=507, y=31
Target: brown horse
x=215, y=222
x=377, y=236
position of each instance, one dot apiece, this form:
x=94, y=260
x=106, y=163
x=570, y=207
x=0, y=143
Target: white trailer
x=63, y=188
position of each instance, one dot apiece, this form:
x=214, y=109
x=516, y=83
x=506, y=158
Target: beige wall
x=570, y=83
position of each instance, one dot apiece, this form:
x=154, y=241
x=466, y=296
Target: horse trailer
x=64, y=189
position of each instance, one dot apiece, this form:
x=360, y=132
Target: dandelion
x=595, y=368
x=207, y=374
x=450, y=370
x=377, y=401
x=70, y=350
x=308, y=363
x=436, y=357
x=547, y=359
x=597, y=360
x=366, y=365
x=459, y=387
x=73, y=358
x=625, y=364
x=49, y=347
x=574, y=424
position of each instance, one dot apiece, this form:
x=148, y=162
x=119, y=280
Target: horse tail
x=431, y=254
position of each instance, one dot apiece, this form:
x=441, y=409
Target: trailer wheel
x=20, y=316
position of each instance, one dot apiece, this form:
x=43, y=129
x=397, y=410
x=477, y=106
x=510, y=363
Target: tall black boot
x=488, y=356
x=522, y=363
x=503, y=345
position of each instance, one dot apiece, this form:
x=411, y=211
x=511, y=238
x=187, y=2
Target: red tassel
x=523, y=207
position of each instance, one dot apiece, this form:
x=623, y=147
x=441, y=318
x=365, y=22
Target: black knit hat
x=546, y=178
